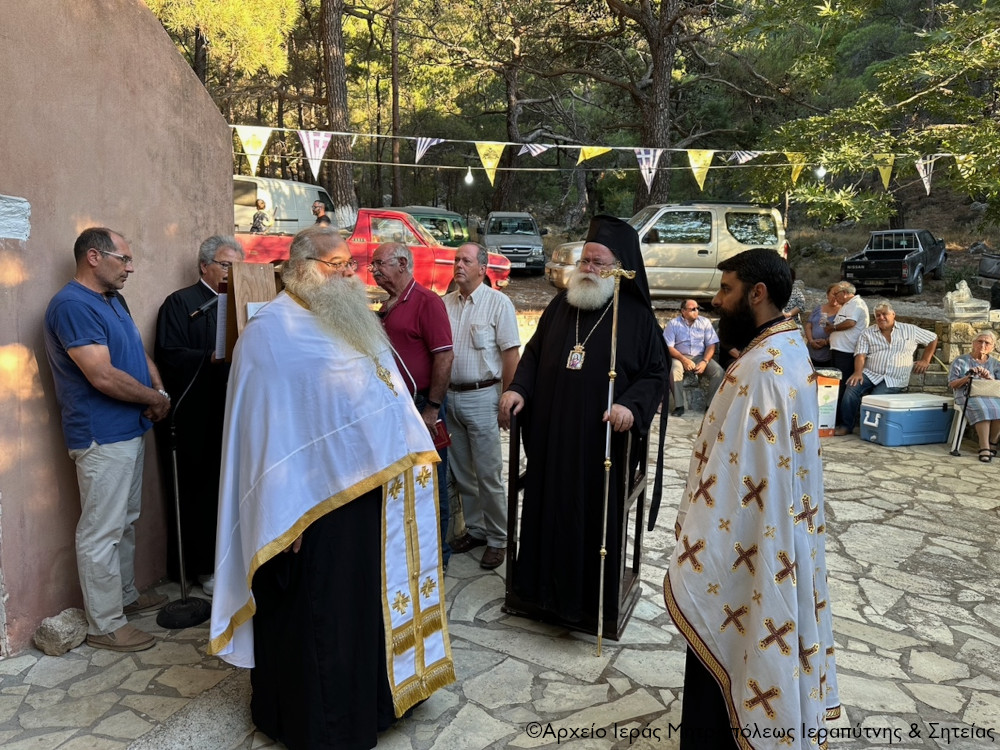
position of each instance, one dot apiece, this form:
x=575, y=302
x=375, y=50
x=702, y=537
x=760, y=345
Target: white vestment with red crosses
x=747, y=583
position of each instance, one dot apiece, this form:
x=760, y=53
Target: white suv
x=682, y=243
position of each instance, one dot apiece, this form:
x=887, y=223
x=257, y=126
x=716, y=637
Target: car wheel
x=938, y=273
x=917, y=287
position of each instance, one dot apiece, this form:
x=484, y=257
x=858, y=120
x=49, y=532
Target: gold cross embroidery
x=428, y=587
x=728, y=378
x=721, y=437
x=757, y=596
x=763, y=424
x=769, y=532
x=702, y=456
x=724, y=524
x=690, y=553
x=703, y=490
x=762, y=699
x=395, y=488
x=745, y=556
x=797, y=432
x=424, y=476
x=734, y=618
x=734, y=457
x=802, y=473
x=771, y=365
x=743, y=390
x=805, y=653
x=713, y=588
x=754, y=492
x=784, y=462
x=777, y=635
x=818, y=604
x=401, y=603
x=786, y=572
x=807, y=514
x=792, y=393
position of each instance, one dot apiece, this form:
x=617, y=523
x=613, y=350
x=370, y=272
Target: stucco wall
x=103, y=123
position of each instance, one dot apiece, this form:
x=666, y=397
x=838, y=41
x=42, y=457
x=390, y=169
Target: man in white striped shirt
x=883, y=361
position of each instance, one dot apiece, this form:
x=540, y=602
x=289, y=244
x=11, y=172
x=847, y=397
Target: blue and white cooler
x=906, y=418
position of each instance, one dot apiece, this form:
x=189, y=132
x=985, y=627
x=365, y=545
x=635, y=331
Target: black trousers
x=705, y=723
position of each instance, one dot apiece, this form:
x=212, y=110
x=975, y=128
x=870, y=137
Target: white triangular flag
x=314, y=142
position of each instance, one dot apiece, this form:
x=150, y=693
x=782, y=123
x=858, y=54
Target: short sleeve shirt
x=78, y=316
x=690, y=340
x=891, y=361
x=483, y=326
x=418, y=328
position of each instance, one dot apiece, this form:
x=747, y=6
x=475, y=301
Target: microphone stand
x=185, y=612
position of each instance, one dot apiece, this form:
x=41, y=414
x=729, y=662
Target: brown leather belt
x=473, y=386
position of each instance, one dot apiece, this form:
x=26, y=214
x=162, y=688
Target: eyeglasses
x=224, y=264
x=689, y=309
x=126, y=259
x=593, y=264
x=337, y=265
x=376, y=264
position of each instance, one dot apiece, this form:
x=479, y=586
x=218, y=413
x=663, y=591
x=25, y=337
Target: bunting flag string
x=648, y=159
x=423, y=144
x=535, y=149
x=925, y=168
x=314, y=143
x=254, y=139
x=884, y=163
x=700, y=160
x=489, y=155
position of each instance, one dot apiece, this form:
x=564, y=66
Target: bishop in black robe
x=558, y=561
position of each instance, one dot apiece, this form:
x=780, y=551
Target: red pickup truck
x=433, y=264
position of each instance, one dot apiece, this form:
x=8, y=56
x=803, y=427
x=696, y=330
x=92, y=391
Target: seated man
x=883, y=360
x=691, y=341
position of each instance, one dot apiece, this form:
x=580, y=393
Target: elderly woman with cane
x=982, y=410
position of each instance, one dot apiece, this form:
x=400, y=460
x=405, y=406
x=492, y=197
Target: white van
x=289, y=203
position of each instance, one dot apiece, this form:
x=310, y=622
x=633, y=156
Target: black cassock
x=182, y=345
x=558, y=560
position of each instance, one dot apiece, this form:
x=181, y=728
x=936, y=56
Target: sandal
x=985, y=455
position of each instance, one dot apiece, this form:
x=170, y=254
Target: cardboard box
x=906, y=418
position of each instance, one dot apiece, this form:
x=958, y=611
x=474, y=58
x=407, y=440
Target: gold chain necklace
x=382, y=373
x=577, y=353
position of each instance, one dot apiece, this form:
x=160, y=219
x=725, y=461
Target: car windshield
x=511, y=226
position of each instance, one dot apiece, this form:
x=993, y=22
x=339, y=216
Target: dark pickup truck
x=896, y=260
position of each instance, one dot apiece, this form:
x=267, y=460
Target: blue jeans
x=850, y=403
x=442, y=471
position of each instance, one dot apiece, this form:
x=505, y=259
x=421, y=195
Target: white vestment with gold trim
x=310, y=426
x=747, y=582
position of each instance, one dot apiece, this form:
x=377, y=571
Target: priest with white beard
x=328, y=570
x=560, y=394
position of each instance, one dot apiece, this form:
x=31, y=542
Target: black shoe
x=678, y=412
x=466, y=542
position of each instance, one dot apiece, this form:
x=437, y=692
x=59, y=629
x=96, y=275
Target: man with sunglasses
x=110, y=393
x=691, y=341
x=184, y=352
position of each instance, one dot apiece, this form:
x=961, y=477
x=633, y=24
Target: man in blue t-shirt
x=110, y=393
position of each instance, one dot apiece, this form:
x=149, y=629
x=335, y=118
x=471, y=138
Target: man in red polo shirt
x=418, y=327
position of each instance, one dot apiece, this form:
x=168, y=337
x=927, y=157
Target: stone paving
x=913, y=562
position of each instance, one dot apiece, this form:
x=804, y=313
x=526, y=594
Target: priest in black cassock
x=560, y=394
x=184, y=353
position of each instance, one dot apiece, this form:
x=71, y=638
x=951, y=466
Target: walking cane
x=957, y=442
x=618, y=272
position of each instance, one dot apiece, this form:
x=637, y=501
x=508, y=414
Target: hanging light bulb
x=468, y=177
x=821, y=172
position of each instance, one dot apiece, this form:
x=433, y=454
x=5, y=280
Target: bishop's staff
x=618, y=272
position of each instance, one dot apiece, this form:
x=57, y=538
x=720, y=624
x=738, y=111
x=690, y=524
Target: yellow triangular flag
x=700, y=160
x=884, y=163
x=589, y=152
x=489, y=155
x=966, y=167
x=254, y=139
x=797, y=161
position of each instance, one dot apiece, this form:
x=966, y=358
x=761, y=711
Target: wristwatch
x=163, y=393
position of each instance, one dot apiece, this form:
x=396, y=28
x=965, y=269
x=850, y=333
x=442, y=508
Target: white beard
x=341, y=304
x=589, y=291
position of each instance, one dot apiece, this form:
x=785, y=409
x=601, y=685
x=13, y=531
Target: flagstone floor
x=913, y=560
